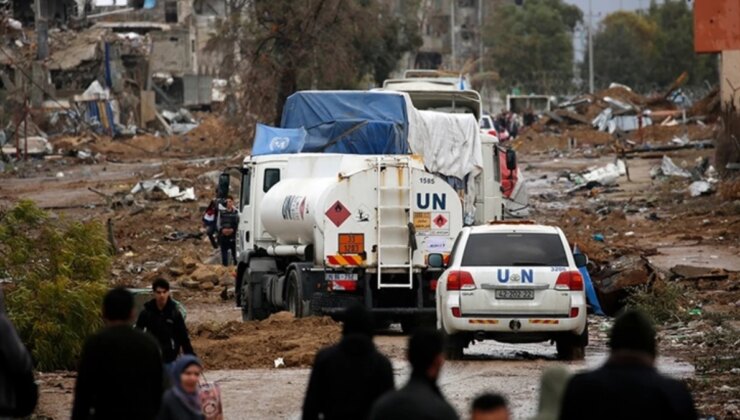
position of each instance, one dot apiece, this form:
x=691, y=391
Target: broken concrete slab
x=690, y=272
x=34, y=146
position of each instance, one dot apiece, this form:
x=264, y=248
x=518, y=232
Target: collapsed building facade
x=124, y=61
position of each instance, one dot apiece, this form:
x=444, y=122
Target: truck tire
x=298, y=306
x=252, y=302
x=572, y=347
x=454, y=345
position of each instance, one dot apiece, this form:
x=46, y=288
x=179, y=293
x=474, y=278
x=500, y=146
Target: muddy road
x=511, y=370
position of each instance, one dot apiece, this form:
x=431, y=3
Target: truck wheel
x=572, y=347
x=298, y=306
x=252, y=308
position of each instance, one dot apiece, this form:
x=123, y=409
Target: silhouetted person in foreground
x=420, y=398
x=628, y=386
x=489, y=407
x=552, y=387
x=18, y=390
x=121, y=373
x=347, y=378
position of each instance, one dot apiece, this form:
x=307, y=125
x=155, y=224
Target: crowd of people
x=151, y=372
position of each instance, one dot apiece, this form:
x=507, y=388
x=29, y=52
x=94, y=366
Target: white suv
x=514, y=282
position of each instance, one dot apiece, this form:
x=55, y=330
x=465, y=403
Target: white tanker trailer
x=321, y=230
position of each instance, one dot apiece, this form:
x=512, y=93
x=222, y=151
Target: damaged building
x=119, y=63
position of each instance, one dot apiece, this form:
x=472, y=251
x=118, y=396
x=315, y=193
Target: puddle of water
x=698, y=256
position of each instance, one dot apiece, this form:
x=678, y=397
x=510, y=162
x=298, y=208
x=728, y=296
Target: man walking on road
x=163, y=320
x=120, y=374
x=628, y=385
x=420, y=398
x=349, y=377
x=228, y=222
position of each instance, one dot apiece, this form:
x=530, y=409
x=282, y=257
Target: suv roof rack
x=512, y=222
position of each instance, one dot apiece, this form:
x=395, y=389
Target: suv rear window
x=514, y=249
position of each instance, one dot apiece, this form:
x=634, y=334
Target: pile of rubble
x=619, y=119
x=109, y=72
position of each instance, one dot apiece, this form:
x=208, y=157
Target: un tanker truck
x=345, y=201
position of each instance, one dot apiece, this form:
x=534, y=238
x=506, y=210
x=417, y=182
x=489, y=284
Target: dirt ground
x=650, y=225
x=263, y=391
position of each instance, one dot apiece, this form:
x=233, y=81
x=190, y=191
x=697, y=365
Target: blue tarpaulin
x=271, y=140
x=590, y=291
x=354, y=122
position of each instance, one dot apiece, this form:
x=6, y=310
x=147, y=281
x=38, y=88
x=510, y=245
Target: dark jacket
x=228, y=219
x=626, y=388
x=120, y=376
x=168, y=327
x=347, y=379
x=420, y=399
x=18, y=390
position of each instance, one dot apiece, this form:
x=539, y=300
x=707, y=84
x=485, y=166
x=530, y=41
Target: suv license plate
x=515, y=294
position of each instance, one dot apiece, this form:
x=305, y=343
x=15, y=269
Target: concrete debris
x=167, y=187
x=606, y=175
x=33, y=146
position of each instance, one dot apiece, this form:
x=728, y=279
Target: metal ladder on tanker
x=394, y=219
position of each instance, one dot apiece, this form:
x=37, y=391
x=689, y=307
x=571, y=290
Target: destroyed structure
x=113, y=67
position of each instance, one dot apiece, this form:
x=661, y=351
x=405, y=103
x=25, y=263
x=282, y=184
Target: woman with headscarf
x=181, y=402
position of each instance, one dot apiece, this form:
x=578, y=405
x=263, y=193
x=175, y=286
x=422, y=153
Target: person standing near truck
x=209, y=222
x=228, y=222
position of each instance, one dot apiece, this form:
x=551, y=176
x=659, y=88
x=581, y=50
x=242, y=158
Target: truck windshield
x=514, y=249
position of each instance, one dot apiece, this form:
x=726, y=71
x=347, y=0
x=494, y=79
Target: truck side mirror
x=510, y=159
x=222, y=190
x=436, y=260
x=581, y=260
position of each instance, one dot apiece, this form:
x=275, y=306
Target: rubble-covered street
x=125, y=114
x=648, y=231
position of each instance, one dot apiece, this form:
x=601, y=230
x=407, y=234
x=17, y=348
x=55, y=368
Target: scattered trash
x=181, y=236
x=59, y=175
x=698, y=188
x=668, y=168
x=279, y=362
x=630, y=233
x=695, y=312
x=598, y=237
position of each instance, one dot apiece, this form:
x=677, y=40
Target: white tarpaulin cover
x=450, y=144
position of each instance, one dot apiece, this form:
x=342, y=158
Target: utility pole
x=480, y=35
x=590, y=50
x=452, y=35
x=42, y=32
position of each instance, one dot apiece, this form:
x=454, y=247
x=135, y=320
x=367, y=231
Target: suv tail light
x=569, y=280
x=460, y=280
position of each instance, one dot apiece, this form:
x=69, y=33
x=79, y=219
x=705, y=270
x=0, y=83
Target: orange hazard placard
x=351, y=243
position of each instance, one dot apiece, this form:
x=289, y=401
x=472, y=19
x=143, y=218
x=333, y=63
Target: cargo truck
x=352, y=217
